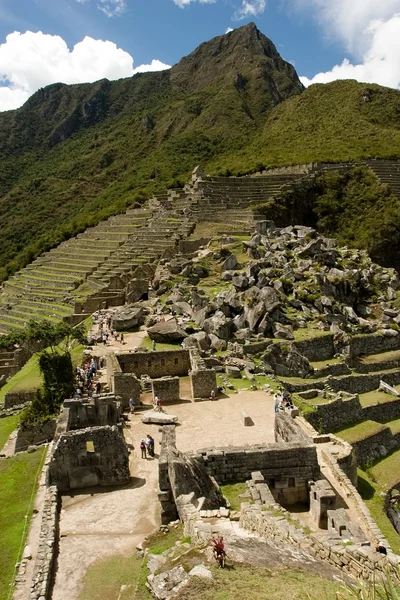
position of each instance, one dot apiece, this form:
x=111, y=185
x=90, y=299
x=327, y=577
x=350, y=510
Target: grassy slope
x=29, y=378
x=359, y=432
x=105, y=578
x=7, y=426
x=112, y=161
x=18, y=480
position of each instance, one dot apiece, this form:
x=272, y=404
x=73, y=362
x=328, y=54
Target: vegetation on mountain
x=352, y=206
x=73, y=155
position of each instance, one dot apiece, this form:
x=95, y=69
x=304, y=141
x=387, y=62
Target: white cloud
x=380, y=63
x=228, y=30
x=250, y=8
x=155, y=65
x=183, y=3
x=112, y=8
x=29, y=61
x=370, y=31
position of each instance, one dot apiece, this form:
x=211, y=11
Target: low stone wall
x=318, y=348
x=102, y=410
x=362, y=562
x=373, y=343
x=166, y=388
x=360, y=384
x=35, y=435
x=336, y=415
x=287, y=468
x=89, y=457
x=11, y=400
x=375, y=446
x=334, y=370
x=256, y=347
x=48, y=539
x=203, y=383
x=165, y=496
x=156, y=364
x=382, y=412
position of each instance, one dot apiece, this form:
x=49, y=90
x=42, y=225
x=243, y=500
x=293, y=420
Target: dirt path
x=97, y=523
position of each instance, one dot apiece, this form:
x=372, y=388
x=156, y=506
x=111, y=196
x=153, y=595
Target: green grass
x=372, y=398
x=7, y=426
x=260, y=584
x=232, y=491
x=359, y=432
x=29, y=379
x=104, y=579
x=394, y=426
x=18, y=482
x=372, y=491
x=148, y=344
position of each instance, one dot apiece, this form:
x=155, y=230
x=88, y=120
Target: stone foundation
x=89, y=457
x=166, y=388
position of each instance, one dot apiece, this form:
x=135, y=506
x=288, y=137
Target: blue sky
x=325, y=39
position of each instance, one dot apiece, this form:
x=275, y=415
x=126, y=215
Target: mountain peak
x=244, y=51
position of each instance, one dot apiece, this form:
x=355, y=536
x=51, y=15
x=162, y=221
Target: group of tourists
x=85, y=376
x=147, y=447
x=282, y=401
x=105, y=329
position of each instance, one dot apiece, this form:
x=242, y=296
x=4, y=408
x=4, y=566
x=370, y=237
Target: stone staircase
x=44, y=289
x=388, y=171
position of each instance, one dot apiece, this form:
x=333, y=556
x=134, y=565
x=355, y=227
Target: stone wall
x=336, y=415
x=11, y=400
x=375, y=446
x=357, y=560
x=360, y=384
x=165, y=496
x=373, y=343
x=287, y=430
x=89, y=457
x=156, y=364
x=48, y=539
x=343, y=412
x=102, y=410
x=35, y=435
x=166, y=388
x=287, y=468
x=125, y=386
x=203, y=383
x=317, y=348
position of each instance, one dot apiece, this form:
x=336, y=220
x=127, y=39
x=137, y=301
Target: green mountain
x=73, y=155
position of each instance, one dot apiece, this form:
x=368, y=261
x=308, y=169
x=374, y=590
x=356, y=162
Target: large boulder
x=188, y=475
x=168, y=584
x=219, y=325
x=128, y=317
x=286, y=361
x=230, y=263
x=166, y=332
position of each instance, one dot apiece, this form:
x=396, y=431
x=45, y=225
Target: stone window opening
x=90, y=447
x=271, y=484
x=292, y=482
x=176, y=361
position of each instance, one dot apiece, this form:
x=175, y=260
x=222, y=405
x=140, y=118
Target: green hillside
x=73, y=155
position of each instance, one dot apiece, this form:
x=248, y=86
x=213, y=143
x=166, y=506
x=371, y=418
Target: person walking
x=143, y=448
x=150, y=445
x=122, y=338
x=131, y=405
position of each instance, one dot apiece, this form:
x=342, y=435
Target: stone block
x=246, y=420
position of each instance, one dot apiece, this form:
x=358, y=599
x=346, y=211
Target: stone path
x=102, y=522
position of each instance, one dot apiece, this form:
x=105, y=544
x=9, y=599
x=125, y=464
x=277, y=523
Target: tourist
x=131, y=405
x=276, y=402
x=143, y=448
x=153, y=346
x=150, y=445
x=212, y=395
x=122, y=338
x=98, y=388
x=155, y=403
x=115, y=334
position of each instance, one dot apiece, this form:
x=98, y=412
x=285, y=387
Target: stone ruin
x=163, y=369
x=89, y=446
